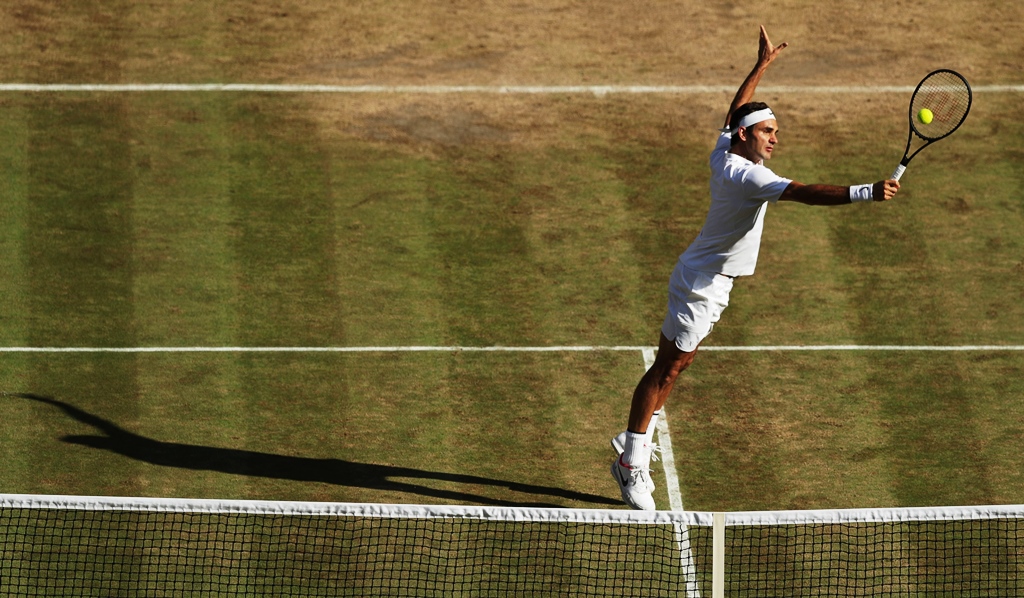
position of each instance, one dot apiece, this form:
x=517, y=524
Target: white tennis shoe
x=619, y=444
x=635, y=485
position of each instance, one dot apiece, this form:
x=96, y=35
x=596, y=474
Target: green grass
x=223, y=220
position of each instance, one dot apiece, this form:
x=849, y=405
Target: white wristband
x=861, y=193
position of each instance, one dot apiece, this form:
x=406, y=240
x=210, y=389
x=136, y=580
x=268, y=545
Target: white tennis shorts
x=696, y=301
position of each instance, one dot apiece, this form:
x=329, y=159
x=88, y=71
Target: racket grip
x=896, y=174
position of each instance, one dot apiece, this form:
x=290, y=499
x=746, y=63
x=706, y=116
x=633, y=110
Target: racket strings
x=948, y=97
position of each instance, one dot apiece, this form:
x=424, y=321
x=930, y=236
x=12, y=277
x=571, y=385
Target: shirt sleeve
x=721, y=149
x=724, y=141
x=761, y=184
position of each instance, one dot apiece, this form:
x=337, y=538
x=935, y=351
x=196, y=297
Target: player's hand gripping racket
x=938, y=107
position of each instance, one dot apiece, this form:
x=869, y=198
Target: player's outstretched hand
x=766, y=52
x=885, y=190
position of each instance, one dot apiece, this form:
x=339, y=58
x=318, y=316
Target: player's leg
x=653, y=390
x=656, y=384
x=696, y=301
x=687, y=322
x=632, y=469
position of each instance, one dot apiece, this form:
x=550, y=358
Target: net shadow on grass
x=299, y=469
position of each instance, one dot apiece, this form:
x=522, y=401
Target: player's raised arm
x=766, y=53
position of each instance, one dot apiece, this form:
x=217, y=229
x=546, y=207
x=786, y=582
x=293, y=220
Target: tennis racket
x=948, y=96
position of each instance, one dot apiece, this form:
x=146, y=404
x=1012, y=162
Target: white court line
x=501, y=349
x=675, y=498
x=398, y=349
x=870, y=348
x=597, y=90
x=668, y=459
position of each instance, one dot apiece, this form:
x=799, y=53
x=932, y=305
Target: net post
x=718, y=556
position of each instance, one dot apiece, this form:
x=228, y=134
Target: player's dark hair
x=737, y=116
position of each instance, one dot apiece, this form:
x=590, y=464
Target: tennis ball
x=925, y=115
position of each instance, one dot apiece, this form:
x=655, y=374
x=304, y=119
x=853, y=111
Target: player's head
x=754, y=130
x=755, y=110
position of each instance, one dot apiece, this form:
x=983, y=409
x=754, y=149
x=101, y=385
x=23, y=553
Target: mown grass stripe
x=184, y=225
x=14, y=234
x=80, y=275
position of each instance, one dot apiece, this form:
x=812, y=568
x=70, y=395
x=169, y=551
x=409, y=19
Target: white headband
x=755, y=117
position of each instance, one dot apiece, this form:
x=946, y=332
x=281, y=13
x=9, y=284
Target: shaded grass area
x=796, y=430
x=364, y=428
x=224, y=220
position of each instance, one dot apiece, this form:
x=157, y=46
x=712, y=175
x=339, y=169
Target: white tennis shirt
x=740, y=193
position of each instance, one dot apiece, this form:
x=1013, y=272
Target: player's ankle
x=636, y=453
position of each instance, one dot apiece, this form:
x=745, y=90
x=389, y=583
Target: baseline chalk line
x=596, y=90
x=501, y=349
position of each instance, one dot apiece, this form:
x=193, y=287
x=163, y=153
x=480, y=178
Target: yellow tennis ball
x=925, y=115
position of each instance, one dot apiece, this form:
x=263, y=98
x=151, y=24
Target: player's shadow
x=340, y=472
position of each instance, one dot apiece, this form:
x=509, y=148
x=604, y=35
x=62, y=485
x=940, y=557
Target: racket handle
x=896, y=174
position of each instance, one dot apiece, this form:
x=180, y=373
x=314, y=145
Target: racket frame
x=907, y=156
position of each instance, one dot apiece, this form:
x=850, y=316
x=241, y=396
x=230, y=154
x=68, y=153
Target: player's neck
x=741, y=150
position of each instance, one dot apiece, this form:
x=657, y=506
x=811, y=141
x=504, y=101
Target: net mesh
x=893, y=558
x=71, y=546
x=251, y=552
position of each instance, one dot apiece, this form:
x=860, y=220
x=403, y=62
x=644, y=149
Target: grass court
x=215, y=219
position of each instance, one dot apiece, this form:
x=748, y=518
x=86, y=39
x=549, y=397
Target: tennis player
x=726, y=248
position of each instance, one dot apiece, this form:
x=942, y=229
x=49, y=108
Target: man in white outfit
x=726, y=248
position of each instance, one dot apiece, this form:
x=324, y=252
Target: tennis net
x=934, y=552
x=100, y=546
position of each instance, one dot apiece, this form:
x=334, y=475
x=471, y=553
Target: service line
x=503, y=349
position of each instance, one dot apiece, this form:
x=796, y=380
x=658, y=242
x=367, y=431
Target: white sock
x=650, y=427
x=637, y=453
